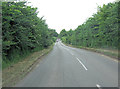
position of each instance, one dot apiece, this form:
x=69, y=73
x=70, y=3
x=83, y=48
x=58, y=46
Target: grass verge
x=111, y=53
x=14, y=73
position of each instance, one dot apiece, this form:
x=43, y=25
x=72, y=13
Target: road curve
x=72, y=67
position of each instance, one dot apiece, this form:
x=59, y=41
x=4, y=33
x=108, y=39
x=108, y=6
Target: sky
x=66, y=14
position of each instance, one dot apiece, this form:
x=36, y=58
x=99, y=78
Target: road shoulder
x=13, y=74
x=103, y=52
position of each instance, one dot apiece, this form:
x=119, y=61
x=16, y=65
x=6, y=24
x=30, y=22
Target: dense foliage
x=22, y=31
x=99, y=31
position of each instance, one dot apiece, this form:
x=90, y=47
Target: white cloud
x=66, y=14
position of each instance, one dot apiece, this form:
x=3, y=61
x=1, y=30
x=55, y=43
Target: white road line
x=69, y=51
x=98, y=86
x=72, y=54
x=37, y=65
x=82, y=64
x=66, y=49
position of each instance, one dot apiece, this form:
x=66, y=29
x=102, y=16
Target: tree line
x=99, y=31
x=23, y=31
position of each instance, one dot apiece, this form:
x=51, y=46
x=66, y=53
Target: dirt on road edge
x=110, y=53
x=13, y=74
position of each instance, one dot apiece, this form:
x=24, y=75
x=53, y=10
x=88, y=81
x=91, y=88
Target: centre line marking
x=98, y=86
x=82, y=64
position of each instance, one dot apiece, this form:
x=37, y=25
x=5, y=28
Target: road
x=72, y=67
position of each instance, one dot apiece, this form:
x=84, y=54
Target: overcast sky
x=66, y=14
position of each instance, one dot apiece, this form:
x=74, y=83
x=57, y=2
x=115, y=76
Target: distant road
x=72, y=67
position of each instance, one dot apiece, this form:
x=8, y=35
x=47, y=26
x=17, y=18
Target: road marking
x=72, y=54
x=82, y=64
x=37, y=65
x=98, y=86
x=69, y=51
x=66, y=49
x=113, y=59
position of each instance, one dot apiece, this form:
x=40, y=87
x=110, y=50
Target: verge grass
x=12, y=74
x=111, y=53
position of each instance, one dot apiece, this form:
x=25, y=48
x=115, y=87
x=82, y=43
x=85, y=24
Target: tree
x=99, y=31
x=22, y=31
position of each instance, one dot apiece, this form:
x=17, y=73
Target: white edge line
x=72, y=54
x=82, y=64
x=69, y=50
x=98, y=86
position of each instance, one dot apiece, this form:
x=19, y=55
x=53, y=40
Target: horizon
x=66, y=14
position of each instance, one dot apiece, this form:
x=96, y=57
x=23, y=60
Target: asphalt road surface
x=72, y=67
